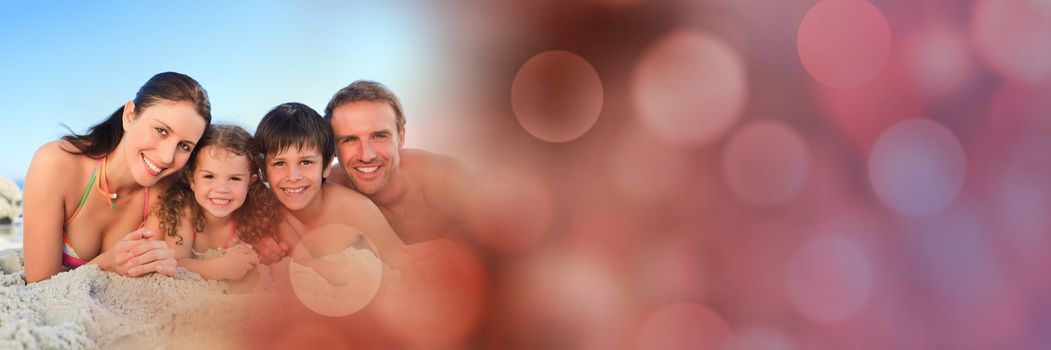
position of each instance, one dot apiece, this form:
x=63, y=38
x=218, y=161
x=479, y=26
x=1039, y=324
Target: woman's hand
x=136, y=254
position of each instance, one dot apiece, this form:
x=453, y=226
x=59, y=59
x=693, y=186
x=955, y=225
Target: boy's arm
x=273, y=249
x=368, y=218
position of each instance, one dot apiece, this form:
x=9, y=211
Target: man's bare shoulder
x=444, y=181
x=425, y=163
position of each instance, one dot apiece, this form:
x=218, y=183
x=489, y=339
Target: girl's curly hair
x=256, y=218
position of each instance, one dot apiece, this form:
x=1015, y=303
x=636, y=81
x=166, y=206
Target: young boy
x=298, y=149
x=436, y=298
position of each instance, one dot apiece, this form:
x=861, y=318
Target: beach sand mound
x=90, y=308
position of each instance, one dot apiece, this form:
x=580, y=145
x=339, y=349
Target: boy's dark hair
x=295, y=124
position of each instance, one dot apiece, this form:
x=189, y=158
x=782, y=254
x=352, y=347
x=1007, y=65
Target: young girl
x=218, y=203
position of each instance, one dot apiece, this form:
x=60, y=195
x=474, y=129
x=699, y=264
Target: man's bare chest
x=416, y=220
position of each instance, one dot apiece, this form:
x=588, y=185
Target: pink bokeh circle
x=843, y=44
x=766, y=164
x=557, y=96
x=829, y=279
x=684, y=326
x=1012, y=37
x=689, y=88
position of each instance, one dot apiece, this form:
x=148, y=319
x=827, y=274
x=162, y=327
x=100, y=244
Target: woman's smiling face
x=158, y=142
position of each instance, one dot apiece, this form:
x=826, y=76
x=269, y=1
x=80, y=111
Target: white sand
x=89, y=308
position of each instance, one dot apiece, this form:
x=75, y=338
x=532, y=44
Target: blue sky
x=74, y=63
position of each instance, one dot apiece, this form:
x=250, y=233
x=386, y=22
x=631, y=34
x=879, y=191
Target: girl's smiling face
x=220, y=180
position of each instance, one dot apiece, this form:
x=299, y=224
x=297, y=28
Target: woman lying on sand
x=87, y=196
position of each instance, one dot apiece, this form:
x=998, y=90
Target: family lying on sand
x=155, y=186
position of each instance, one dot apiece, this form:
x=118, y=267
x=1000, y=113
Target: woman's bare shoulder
x=58, y=150
x=56, y=178
x=55, y=162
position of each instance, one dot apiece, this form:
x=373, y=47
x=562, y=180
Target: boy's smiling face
x=295, y=175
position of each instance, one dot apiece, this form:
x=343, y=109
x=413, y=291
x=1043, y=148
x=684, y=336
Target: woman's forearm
x=106, y=262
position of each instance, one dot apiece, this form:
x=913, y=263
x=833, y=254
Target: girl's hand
x=237, y=261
